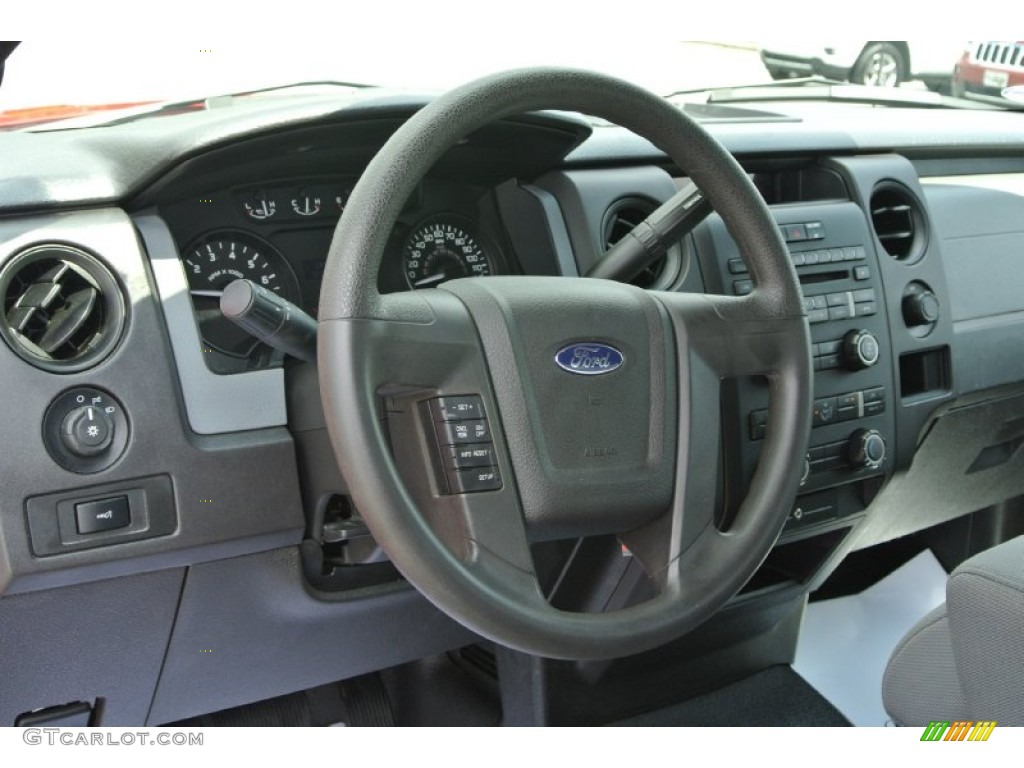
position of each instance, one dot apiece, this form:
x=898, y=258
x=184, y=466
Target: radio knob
x=867, y=449
x=860, y=350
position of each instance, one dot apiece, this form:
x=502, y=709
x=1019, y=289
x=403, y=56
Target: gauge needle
x=208, y=293
x=430, y=280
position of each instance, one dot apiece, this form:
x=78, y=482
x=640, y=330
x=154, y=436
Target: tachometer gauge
x=217, y=259
x=443, y=249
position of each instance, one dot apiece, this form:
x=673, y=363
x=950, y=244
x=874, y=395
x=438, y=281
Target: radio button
x=742, y=287
x=839, y=313
x=861, y=272
x=836, y=299
x=817, y=316
x=794, y=232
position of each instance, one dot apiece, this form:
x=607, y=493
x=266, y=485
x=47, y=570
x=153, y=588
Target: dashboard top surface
x=116, y=162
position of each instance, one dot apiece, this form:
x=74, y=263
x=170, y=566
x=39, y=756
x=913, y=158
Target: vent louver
x=63, y=310
x=898, y=222
x=619, y=221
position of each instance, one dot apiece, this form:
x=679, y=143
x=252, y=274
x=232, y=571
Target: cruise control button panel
x=462, y=439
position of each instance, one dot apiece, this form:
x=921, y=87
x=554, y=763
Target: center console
x=850, y=450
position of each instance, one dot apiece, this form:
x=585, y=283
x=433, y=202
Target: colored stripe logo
x=960, y=730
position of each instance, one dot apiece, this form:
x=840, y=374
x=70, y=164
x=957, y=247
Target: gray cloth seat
x=965, y=659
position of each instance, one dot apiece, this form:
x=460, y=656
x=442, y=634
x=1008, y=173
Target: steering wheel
x=630, y=448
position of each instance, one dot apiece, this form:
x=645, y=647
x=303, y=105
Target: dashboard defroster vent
x=898, y=222
x=63, y=309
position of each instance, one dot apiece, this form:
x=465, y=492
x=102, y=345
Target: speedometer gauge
x=443, y=249
x=219, y=258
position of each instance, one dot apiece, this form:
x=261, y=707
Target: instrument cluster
x=278, y=235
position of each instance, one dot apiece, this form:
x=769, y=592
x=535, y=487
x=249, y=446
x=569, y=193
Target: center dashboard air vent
x=898, y=221
x=619, y=220
x=63, y=309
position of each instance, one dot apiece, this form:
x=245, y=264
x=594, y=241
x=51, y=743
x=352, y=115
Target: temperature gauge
x=306, y=204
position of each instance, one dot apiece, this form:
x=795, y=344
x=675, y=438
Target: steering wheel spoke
x=734, y=335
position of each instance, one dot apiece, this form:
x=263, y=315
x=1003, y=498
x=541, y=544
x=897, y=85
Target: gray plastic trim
x=1003, y=182
x=104, y=640
x=559, y=233
x=214, y=403
x=269, y=636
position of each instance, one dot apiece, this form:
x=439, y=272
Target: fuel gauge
x=260, y=206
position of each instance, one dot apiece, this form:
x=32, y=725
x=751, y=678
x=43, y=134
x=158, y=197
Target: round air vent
x=898, y=221
x=63, y=309
x=619, y=220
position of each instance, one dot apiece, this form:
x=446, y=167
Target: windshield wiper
x=824, y=89
x=796, y=82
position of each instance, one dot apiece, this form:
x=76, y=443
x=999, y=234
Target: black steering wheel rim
x=702, y=568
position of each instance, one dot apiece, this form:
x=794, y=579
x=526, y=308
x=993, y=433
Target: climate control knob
x=860, y=350
x=867, y=449
x=920, y=307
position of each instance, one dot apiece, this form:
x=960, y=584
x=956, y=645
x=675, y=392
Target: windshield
x=130, y=75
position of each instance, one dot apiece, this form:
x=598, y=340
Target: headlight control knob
x=860, y=350
x=867, y=449
x=87, y=431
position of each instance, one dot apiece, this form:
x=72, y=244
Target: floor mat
x=845, y=643
x=776, y=697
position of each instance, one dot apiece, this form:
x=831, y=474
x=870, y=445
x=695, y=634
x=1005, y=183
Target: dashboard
x=231, y=524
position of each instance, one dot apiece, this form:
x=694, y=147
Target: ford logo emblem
x=589, y=359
